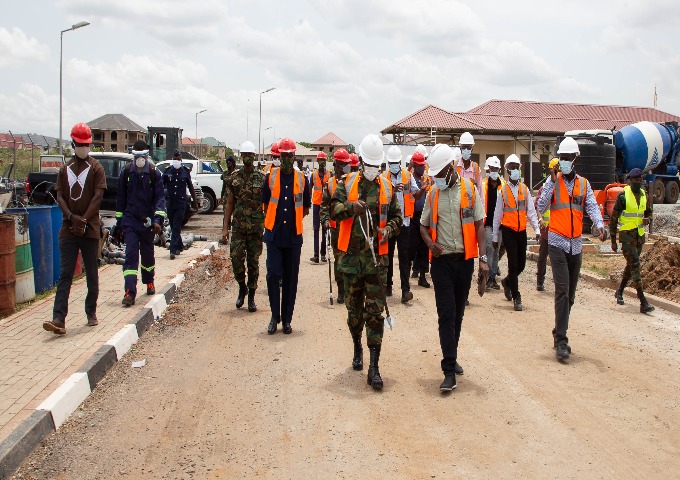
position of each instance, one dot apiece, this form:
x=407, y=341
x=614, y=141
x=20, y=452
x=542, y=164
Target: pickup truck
x=208, y=174
x=41, y=184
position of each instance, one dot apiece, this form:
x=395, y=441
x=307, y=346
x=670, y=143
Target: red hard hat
x=341, y=155
x=354, y=159
x=321, y=156
x=275, y=150
x=286, y=145
x=81, y=133
x=418, y=158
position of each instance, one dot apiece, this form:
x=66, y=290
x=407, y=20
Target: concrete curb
x=629, y=292
x=56, y=409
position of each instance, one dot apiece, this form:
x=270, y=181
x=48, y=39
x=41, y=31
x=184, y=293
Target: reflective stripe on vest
x=468, y=198
x=385, y=197
x=275, y=187
x=515, y=210
x=566, y=212
x=317, y=194
x=632, y=217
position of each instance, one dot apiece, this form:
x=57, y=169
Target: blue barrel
x=56, y=256
x=42, y=250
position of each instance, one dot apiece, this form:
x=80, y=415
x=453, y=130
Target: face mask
x=322, y=165
x=442, y=183
x=566, y=166
x=276, y=162
x=467, y=153
x=82, y=152
x=493, y=175
x=176, y=163
x=395, y=168
x=371, y=173
x=419, y=170
x=287, y=164
x=635, y=187
x=247, y=160
x=140, y=162
x=346, y=168
x=514, y=174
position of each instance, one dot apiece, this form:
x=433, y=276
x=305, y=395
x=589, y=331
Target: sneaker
x=563, y=351
x=323, y=259
x=128, y=299
x=518, y=303
x=92, y=320
x=406, y=297
x=56, y=326
x=506, y=289
x=150, y=289
x=314, y=259
x=493, y=284
x=448, y=384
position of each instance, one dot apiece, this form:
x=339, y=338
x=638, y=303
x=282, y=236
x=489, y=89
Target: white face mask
x=347, y=168
x=442, y=183
x=514, y=174
x=82, y=152
x=467, y=153
x=176, y=163
x=140, y=162
x=566, y=166
x=493, y=175
x=371, y=173
x=395, y=168
x=276, y=162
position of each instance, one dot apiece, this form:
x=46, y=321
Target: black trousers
x=516, y=248
x=419, y=255
x=542, y=262
x=68, y=249
x=401, y=242
x=316, y=219
x=451, y=276
x=282, y=264
x=565, y=268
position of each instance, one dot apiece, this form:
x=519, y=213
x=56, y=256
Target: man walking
x=568, y=196
x=369, y=214
x=491, y=187
x=80, y=188
x=452, y=226
x=510, y=220
x=543, y=222
x=286, y=200
x=407, y=193
x=177, y=179
x=244, y=192
x=418, y=254
x=632, y=212
x=466, y=168
x=319, y=178
x=140, y=211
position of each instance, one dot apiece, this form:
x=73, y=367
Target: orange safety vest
x=515, y=210
x=317, y=194
x=485, y=182
x=467, y=219
x=566, y=212
x=475, y=170
x=352, y=186
x=275, y=187
x=409, y=198
x=332, y=186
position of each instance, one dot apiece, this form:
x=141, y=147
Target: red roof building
x=329, y=142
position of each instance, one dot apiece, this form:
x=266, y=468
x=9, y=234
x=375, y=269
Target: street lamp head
x=201, y=111
x=268, y=90
x=80, y=25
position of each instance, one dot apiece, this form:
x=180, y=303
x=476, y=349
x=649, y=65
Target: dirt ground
x=219, y=398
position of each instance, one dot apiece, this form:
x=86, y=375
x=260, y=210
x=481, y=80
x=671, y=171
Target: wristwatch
x=483, y=259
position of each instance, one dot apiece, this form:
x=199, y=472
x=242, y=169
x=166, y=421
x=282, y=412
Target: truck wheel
x=659, y=191
x=211, y=202
x=204, y=207
x=672, y=192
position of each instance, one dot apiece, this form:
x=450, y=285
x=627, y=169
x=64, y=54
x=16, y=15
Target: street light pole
x=61, y=77
x=197, y=122
x=259, y=134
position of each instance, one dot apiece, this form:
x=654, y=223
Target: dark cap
x=635, y=173
x=140, y=145
x=177, y=152
x=231, y=159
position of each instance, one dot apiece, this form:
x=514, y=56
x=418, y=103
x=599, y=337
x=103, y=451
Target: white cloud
x=17, y=49
x=33, y=108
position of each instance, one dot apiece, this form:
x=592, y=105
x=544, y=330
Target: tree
x=213, y=154
x=305, y=144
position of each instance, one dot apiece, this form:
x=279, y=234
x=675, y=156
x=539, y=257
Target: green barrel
x=25, y=286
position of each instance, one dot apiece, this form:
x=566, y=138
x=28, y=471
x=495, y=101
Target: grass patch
x=601, y=271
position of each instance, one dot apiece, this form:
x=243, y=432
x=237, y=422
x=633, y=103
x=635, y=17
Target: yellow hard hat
x=553, y=162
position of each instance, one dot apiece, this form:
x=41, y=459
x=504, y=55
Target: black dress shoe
x=388, y=291
x=273, y=325
x=341, y=297
x=414, y=274
x=406, y=297
x=287, y=329
x=323, y=259
x=506, y=289
x=518, y=303
x=563, y=351
x=423, y=282
x=448, y=384
x=314, y=259
x=458, y=370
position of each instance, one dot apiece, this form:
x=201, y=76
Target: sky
x=351, y=67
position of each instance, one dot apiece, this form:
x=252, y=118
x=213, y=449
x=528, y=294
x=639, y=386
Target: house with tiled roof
x=196, y=147
x=114, y=132
x=328, y=143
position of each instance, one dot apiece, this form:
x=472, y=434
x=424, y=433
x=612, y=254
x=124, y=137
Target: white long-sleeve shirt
x=498, y=213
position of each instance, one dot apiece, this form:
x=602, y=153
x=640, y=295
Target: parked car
x=208, y=174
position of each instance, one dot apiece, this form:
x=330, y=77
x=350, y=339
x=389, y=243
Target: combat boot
x=645, y=307
x=341, y=295
x=619, y=292
x=422, y=281
x=358, y=360
x=242, y=291
x=540, y=284
x=374, y=379
x=251, y=300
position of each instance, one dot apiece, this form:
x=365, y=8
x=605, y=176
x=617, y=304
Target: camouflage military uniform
x=365, y=302
x=247, y=224
x=337, y=253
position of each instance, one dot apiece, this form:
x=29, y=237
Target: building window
x=114, y=137
x=114, y=147
x=97, y=136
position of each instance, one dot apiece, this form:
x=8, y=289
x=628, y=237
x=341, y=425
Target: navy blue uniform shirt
x=138, y=197
x=284, y=233
x=176, y=182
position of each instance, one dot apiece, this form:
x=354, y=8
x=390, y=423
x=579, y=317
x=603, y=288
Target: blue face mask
x=395, y=168
x=442, y=183
x=566, y=166
x=467, y=153
x=514, y=174
x=493, y=175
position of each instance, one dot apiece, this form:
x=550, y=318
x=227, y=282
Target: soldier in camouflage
x=243, y=191
x=632, y=211
x=342, y=167
x=361, y=192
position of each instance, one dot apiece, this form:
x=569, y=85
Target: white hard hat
x=456, y=154
x=408, y=159
x=512, y=159
x=492, y=162
x=371, y=150
x=247, y=147
x=421, y=148
x=394, y=154
x=568, y=145
x=439, y=158
x=466, y=139
x=486, y=168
